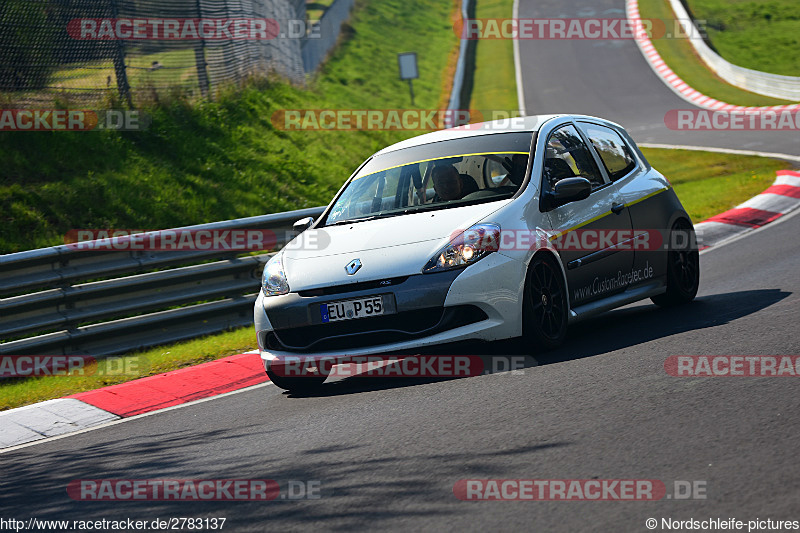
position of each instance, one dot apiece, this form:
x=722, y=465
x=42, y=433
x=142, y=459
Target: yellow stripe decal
x=579, y=226
x=643, y=198
x=582, y=224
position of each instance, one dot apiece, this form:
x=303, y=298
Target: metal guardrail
x=774, y=85
x=466, y=47
x=77, y=301
x=328, y=28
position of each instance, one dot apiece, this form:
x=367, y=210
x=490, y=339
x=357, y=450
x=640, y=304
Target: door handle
x=617, y=208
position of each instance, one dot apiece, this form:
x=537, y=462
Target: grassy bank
x=758, y=34
x=225, y=159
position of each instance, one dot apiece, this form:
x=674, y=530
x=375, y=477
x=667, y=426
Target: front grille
x=373, y=331
x=350, y=287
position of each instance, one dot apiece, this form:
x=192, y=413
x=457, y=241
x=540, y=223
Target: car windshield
x=435, y=176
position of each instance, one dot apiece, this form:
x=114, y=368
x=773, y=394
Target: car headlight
x=273, y=280
x=467, y=248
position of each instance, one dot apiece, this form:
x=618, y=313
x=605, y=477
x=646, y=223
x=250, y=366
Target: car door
x=641, y=197
x=587, y=232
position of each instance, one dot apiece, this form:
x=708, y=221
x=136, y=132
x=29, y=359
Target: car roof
x=518, y=124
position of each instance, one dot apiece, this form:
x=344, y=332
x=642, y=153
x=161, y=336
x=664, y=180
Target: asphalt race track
x=611, y=79
x=387, y=452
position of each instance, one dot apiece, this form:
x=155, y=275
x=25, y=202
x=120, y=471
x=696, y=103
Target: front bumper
x=481, y=302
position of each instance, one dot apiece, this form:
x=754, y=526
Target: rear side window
x=612, y=150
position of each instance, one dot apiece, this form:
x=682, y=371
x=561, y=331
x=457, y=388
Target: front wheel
x=683, y=267
x=306, y=380
x=544, y=311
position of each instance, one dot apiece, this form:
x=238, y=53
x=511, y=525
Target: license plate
x=351, y=309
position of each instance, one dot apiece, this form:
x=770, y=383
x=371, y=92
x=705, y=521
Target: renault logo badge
x=353, y=266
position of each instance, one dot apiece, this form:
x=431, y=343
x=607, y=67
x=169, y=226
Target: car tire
x=307, y=382
x=545, y=309
x=683, y=269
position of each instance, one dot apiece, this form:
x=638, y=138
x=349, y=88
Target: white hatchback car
x=490, y=231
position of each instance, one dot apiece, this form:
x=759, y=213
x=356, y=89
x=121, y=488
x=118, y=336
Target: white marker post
x=408, y=70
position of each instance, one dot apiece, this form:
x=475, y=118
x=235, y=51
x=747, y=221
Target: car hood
x=387, y=247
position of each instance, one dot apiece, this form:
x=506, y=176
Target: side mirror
x=303, y=224
x=568, y=190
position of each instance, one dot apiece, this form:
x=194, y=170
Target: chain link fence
x=104, y=51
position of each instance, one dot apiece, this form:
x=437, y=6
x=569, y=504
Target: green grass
x=710, y=183
x=19, y=392
x=757, y=34
x=224, y=159
x=495, y=87
x=682, y=59
x=179, y=67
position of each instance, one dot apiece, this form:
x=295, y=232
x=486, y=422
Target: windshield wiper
x=350, y=221
x=364, y=219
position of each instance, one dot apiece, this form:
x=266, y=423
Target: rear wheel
x=544, y=312
x=683, y=267
x=308, y=379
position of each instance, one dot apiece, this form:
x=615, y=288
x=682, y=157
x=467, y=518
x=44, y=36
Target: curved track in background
x=611, y=79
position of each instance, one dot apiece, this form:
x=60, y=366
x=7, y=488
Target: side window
x=493, y=173
x=566, y=156
x=505, y=170
x=612, y=150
